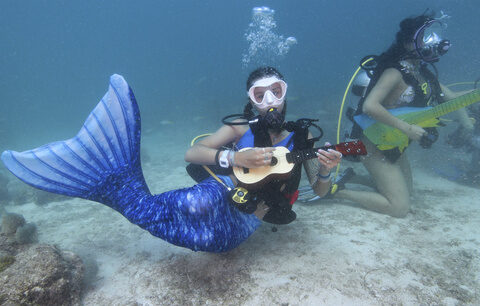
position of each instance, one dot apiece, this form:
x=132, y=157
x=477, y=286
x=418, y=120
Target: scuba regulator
x=273, y=119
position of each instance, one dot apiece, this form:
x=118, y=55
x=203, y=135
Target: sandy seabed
x=333, y=254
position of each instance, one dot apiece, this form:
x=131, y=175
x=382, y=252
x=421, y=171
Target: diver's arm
x=388, y=82
x=461, y=114
x=318, y=170
x=203, y=152
x=319, y=186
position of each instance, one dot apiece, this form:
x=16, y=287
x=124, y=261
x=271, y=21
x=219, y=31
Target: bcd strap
x=432, y=79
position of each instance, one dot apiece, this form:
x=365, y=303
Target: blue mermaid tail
x=102, y=163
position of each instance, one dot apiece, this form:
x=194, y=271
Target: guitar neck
x=447, y=107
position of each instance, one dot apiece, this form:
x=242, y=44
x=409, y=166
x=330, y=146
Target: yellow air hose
x=340, y=115
x=205, y=167
x=460, y=83
x=194, y=140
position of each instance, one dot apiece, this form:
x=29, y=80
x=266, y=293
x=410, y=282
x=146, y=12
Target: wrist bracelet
x=324, y=178
x=231, y=158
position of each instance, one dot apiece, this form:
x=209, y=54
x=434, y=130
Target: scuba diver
x=273, y=202
x=102, y=163
x=399, y=77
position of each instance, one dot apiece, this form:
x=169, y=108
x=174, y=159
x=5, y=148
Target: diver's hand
x=254, y=158
x=329, y=159
x=414, y=132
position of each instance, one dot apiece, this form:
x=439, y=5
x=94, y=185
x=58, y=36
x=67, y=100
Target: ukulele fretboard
x=300, y=156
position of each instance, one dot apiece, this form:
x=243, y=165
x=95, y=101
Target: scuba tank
x=360, y=84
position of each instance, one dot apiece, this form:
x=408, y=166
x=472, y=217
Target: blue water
x=183, y=58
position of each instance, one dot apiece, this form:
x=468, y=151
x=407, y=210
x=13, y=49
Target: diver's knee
x=400, y=211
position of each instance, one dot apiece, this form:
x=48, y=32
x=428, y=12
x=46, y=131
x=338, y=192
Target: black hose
x=239, y=116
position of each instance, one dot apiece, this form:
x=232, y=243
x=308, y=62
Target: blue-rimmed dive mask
x=428, y=41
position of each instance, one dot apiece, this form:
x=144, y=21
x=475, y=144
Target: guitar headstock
x=355, y=147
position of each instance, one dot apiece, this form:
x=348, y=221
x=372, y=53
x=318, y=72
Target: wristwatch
x=223, y=160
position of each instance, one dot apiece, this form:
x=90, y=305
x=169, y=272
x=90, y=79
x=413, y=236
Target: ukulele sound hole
x=274, y=161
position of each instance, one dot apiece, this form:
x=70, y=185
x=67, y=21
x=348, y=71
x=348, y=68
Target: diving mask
x=268, y=92
x=428, y=41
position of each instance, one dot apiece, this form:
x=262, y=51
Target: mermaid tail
x=102, y=163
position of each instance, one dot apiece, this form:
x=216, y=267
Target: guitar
x=283, y=162
x=386, y=137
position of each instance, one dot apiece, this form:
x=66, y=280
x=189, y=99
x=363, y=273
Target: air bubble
x=264, y=45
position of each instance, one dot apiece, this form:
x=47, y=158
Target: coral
x=42, y=275
x=5, y=262
x=26, y=233
x=10, y=223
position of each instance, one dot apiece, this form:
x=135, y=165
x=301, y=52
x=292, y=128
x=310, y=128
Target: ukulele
x=283, y=162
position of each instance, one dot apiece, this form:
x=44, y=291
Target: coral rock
x=26, y=233
x=10, y=223
x=42, y=275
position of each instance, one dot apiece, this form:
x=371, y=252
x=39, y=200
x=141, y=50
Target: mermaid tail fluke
x=108, y=142
x=102, y=163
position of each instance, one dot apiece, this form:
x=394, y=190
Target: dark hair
x=408, y=27
x=261, y=73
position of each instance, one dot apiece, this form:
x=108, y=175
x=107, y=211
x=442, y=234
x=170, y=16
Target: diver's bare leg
x=365, y=180
x=393, y=195
x=407, y=171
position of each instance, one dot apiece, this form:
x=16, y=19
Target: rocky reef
x=36, y=274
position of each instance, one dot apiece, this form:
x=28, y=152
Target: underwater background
x=187, y=62
x=185, y=59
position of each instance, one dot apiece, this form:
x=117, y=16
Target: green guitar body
x=386, y=137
